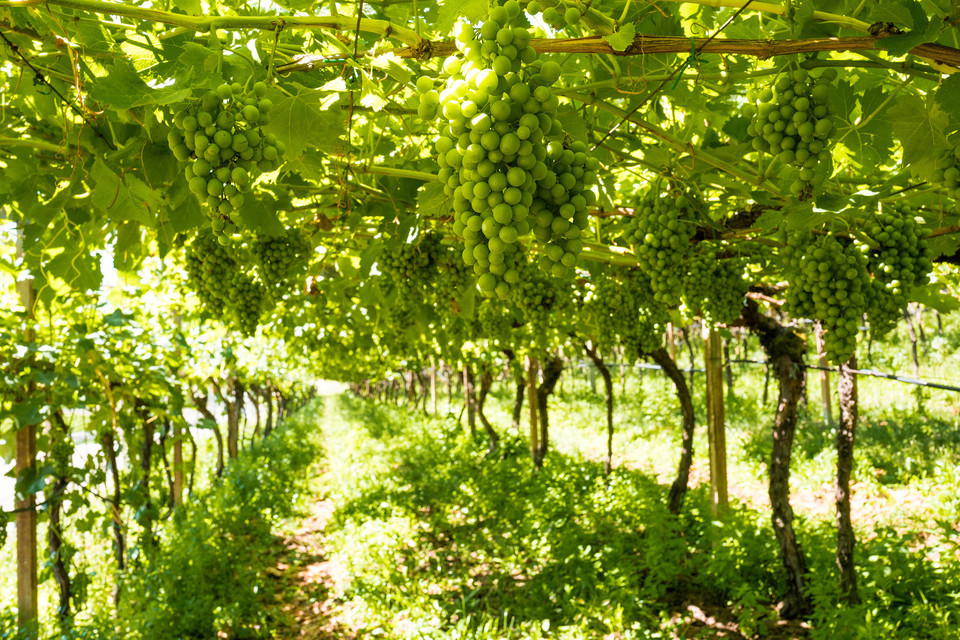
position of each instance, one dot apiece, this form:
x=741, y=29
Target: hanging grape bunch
x=220, y=139
x=660, y=232
x=497, y=106
x=947, y=173
x=280, y=257
x=560, y=206
x=899, y=264
x=452, y=277
x=793, y=121
x=712, y=288
x=411, y=265
x=829, y=282
x=222, y=285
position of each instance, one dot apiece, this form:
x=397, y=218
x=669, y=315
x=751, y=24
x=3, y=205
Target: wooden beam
x=26, y=454
x=716, y=435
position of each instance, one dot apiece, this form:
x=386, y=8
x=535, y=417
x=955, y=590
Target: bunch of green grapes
x=606, y=309
x=494, y=321
x=222, y=285
x=280, y=256
x=4, y=520
x=497, y=105
x=210, y=269
x=899, y=264
x=828, y=281
x=713, y=289
x=947, y=172
x=541, y=304
x=660, y=233
x=247, y=301
x=452, y=276
x=793, y=122
x=553, y=17
x=410, y=265
x=220, y=139
x=559, y=208
x=60, y=452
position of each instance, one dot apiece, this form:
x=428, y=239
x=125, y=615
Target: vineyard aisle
x=307, y=576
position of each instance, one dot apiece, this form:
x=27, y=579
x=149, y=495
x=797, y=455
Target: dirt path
x=306, y=592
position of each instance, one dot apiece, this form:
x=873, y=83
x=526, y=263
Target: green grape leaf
x=895, y=12
x=260, y=214
x=920, y=129
x=300, y=122
x=122, y=89
x=930, y=297
x=452, y=10
x=910, y=14
x=431, y=200
x=197, y=56
x=124, y=199
x=948, y=97
x=392, y=65
x=372, y=95
x=184, y=211
x=574, y=125
x=623, y=37
x=126, y=248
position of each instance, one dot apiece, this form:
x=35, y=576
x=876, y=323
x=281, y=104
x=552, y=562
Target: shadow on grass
x=899, y=445
x=567, y=545
x=457, y=535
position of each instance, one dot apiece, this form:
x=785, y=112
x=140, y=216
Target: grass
x=440, y=540
x=208, y=576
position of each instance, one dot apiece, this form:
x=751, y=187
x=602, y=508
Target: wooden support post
x=433, y=383
x=177, y=464
x=713, y=361
x=532, y=367
x=26, y=454
x=671, y=342
x=824, y=379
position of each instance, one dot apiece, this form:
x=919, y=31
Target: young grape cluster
x=559, y=209
x=497, y=106
x=222, y=285
x=452, y=278
x=411, y=265
x=660, y=232
x=552, y=16
x=279, y=257
x=622, y=308
x=220, y=139
x=793, y=122
x=947, y=172
x=829, y=282
x=900, y=263
x=712, y=288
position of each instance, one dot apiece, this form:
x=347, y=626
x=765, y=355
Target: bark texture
x=55, y=540
x=785, y=351
x=679, y=487
x=469, y=396
x=486, y=382
x=552, y=369
x=846, y=434
x=608, y=388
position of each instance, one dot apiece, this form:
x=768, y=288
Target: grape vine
x=829, y=282
x=660, y=232
x=713, y=288
x=793, y=121
x=494, y=157
x=899, y=264
x=224, y=149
